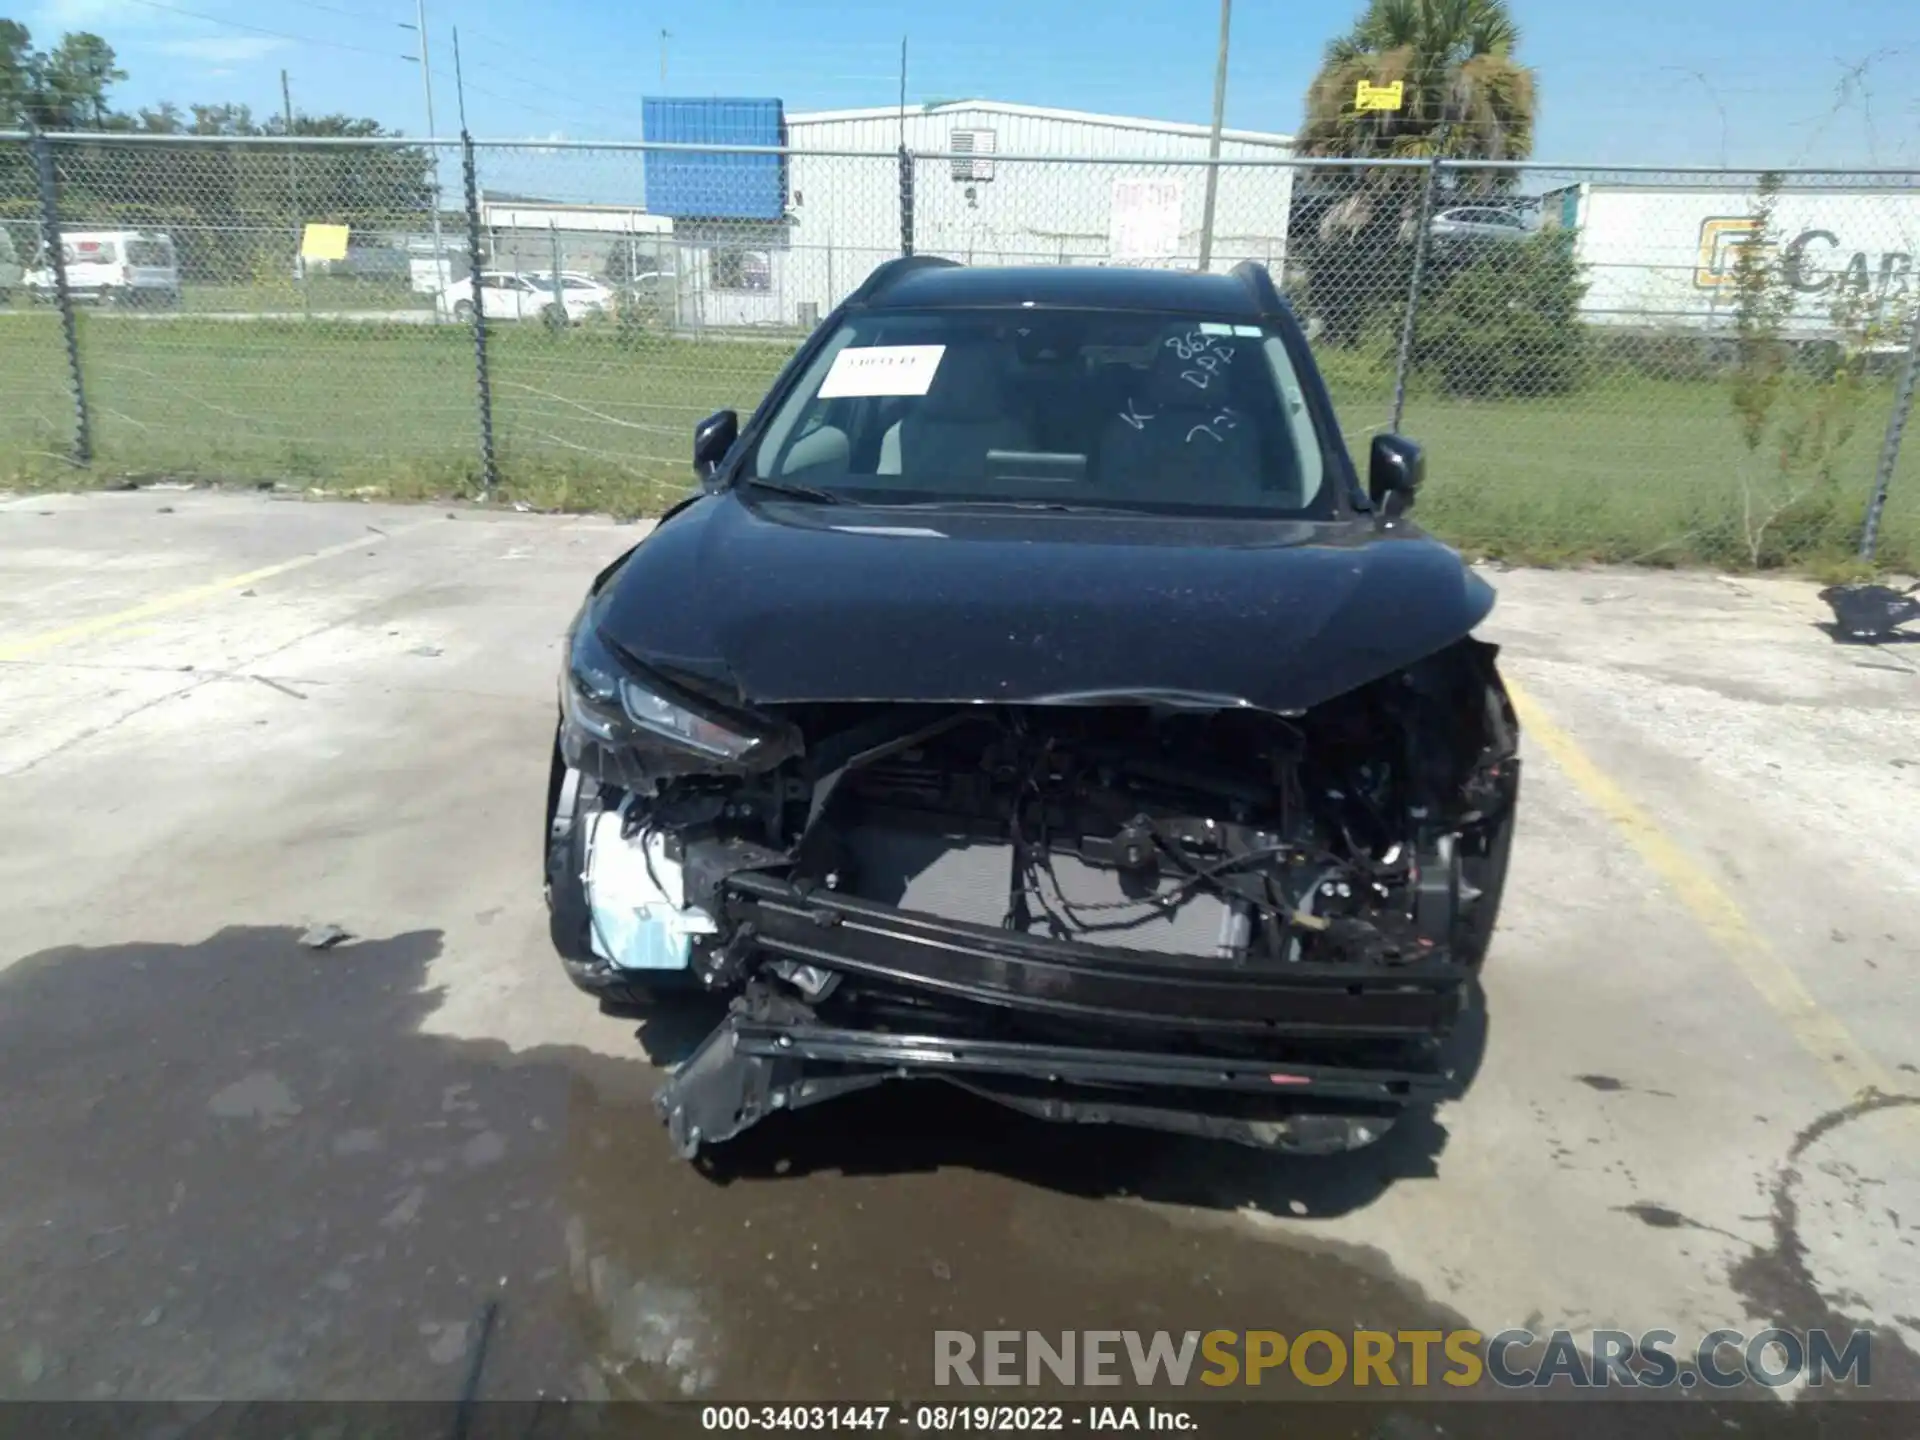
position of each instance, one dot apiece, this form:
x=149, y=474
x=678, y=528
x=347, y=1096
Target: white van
x=10, y=272
x=113, y=267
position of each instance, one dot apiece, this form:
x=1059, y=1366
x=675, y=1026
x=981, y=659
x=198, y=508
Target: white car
x=112, y=267
x=527, y=295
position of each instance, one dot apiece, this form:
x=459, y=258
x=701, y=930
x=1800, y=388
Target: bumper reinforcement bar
x=746, y=1070
x=1197, y=994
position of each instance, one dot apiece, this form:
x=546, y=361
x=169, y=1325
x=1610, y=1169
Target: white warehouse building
x=1113, y=190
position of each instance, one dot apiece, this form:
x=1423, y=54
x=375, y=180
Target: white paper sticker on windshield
x=882, y=370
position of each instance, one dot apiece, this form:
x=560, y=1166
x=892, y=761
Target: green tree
x=1507, y=323
x=1465, y=95
x=234, y=211
x=74, y=79
x=61, y=89
x=17, y=75
x=1799, y=391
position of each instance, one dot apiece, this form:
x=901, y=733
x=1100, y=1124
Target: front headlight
x=612, y=707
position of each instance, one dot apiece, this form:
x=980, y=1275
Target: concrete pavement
x=238, y=1167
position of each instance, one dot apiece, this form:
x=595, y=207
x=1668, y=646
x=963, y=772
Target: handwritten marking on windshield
x=1204, y=351
x=1226, y=420
x=1132, y=417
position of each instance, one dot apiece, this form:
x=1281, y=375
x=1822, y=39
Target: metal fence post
x=1404, y=362
x=906, y=202
x=56, y=258
x=489, y=469
x=1890, y=447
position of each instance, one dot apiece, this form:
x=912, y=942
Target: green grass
x=1630, y=468
x=288, y=296
x=583, y=420
x=1627, y=468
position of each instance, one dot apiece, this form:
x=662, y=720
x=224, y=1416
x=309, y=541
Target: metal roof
x=1037, y=112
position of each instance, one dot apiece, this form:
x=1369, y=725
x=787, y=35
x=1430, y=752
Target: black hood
x=783, y=602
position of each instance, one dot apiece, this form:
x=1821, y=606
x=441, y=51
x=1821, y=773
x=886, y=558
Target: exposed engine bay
x=1085, y=910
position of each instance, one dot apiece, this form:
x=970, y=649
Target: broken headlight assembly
x=627, y=727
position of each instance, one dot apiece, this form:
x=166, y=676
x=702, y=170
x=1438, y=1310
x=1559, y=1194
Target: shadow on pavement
x=239, y=1168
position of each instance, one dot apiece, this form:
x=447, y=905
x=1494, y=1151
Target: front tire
x=463, y=312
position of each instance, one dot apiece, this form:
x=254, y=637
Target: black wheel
x=463, y=312
x=573, y=801
x=554, y=317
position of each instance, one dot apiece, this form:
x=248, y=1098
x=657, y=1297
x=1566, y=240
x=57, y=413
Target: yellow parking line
x=86, y=629
x=1821, y=1034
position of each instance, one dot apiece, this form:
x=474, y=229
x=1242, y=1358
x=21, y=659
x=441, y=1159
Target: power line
x=517, y=79
x=339, y=45
x=260, y=29
x=366, y=15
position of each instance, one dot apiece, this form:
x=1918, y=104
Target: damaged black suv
x=1033, y=699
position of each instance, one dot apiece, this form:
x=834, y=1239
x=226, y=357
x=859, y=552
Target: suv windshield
x=149, y=252
x=1075, y=407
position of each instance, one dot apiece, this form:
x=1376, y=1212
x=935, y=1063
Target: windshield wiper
x=793, y=491
x=1061, y=507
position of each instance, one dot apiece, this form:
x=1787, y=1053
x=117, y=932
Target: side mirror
x=1395, y=471
x=713, y=437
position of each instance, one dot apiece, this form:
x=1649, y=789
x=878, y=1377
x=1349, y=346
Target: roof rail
x=1259, y=283
x=887, y=274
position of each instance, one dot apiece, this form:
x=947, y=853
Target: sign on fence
x=1145, y=223
x=324, y=242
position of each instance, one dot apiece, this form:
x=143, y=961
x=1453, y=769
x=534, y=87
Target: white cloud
x=223, y=49
x=56, y=17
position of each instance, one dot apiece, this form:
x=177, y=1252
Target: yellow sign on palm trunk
x=1369, y=96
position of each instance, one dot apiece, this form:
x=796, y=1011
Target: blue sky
x=1766, y=81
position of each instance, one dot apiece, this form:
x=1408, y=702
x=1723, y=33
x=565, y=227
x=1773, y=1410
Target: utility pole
x=440, y=272
x=1213, y=144
x=293, y=193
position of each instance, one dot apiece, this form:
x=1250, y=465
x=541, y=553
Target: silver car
x=1482, y=222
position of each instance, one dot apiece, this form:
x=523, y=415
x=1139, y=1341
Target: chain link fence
x=1631, y=365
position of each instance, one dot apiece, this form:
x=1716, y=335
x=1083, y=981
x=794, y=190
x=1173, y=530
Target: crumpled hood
x=786, y=602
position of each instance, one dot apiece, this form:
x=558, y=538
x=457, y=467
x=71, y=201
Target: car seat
x=969, y=409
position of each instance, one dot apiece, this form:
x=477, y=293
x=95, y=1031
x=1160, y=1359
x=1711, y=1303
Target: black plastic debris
x=1872, y=614
x=325, y=937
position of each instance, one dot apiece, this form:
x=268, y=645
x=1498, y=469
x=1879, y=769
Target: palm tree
x=1466, y=97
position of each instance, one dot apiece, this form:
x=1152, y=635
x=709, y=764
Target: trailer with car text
x=1666, y=257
